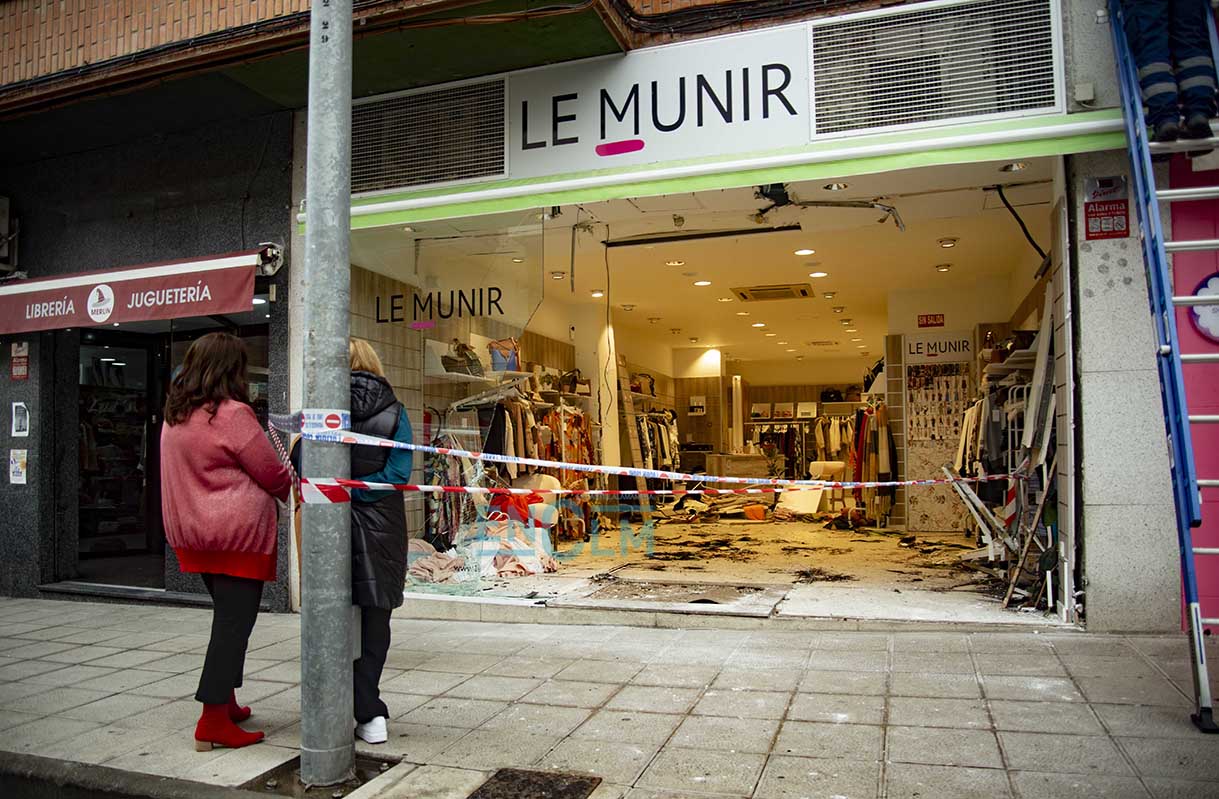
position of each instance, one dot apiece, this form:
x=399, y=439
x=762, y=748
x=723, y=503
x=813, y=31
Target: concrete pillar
x=597, y=360
x=1131, y=571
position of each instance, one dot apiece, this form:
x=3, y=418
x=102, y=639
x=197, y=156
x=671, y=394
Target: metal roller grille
x=964, y=60
x=454, y=133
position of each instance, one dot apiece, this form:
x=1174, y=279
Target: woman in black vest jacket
x=378, y=530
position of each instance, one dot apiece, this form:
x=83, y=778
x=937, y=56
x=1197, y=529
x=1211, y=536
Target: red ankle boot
x=215, y=728
x=238, y=713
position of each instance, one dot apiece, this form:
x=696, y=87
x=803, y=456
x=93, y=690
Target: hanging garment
x=884, y=467
x=531, y=437
x=491, y=419
x=835, y=443
x=509, y=444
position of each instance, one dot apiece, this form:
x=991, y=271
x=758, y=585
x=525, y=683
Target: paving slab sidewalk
x=770, y=713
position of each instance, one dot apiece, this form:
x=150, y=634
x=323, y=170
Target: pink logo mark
x=620, y=147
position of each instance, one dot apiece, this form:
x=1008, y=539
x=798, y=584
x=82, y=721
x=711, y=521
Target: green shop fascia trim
x=637, y=183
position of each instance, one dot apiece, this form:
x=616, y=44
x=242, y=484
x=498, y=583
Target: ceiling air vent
x=926, y=62
x=789, y=291
x=431, y=136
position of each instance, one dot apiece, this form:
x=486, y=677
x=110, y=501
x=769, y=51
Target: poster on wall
x=806, y=410
x=785, y=410
x=17, y=466
x=936, y=396
x=697, y=405
x=1106, y=208
x=19, y=365
x=759, y=410
x=21, y=420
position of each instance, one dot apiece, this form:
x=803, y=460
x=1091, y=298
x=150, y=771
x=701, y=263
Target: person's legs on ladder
x=370, y=710
x=1147, y=23
x=1195, y=68
x=235, y=603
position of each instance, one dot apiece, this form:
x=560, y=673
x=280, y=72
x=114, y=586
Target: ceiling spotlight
x=835, y=186
x=829, y=295
x=805, y=251
x=839, y=308
x=1014, y=166
x=724, y=299
x=862, y=346
x=742, y=313
x=259, y=301
x=597, y=294
x=628, y=307
x=771, y=335
x=790, y=349
x=818, y=274
x=943, y=267
x=675, y=262
x=693, y=339
x=107, y=360
x=851, y=330
x=268, y=316
x=799, y=357
x=120, y=363
x=518, y=260
x=653, y=319
x=947, y=243
x=116, y=324
x=701, y=283
x=759, y=324
x=780, y=343
x=856, y=339
x=557, y=275
x=846, y=322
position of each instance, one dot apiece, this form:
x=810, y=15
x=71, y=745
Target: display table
x=741, y=465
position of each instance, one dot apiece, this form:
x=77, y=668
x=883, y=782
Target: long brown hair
x=213, y=371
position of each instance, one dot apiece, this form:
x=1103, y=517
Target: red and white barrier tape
x=334, y=490
x=291, y=423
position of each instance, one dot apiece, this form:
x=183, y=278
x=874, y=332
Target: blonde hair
x=364, y=358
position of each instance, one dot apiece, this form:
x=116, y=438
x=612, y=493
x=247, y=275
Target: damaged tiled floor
x=769, y=713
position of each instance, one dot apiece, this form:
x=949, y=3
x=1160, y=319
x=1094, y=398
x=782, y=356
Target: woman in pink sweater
x=220, y=479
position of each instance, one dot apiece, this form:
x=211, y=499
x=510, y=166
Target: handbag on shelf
x=464, y=360
x=574, y=382
x=505, y=355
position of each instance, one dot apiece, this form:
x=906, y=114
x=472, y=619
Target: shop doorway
x=124, y=376
x=843, y=329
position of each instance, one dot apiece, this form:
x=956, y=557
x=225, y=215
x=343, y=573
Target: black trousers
x=374, y=648
x=235, y=603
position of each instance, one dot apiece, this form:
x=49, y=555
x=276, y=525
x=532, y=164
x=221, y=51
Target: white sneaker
x=373, y=732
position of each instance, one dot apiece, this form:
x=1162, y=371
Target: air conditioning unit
x=787, y=291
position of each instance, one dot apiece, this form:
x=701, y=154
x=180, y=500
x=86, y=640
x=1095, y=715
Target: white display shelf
x=489, y=377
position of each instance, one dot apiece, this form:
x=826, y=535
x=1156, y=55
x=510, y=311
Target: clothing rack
x=491, y=395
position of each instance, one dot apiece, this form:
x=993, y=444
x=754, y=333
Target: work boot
x=1167, y=130
x=215, y=728
x=1197, y=126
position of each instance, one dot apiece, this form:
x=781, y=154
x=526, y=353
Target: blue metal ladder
x=1185, y=483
